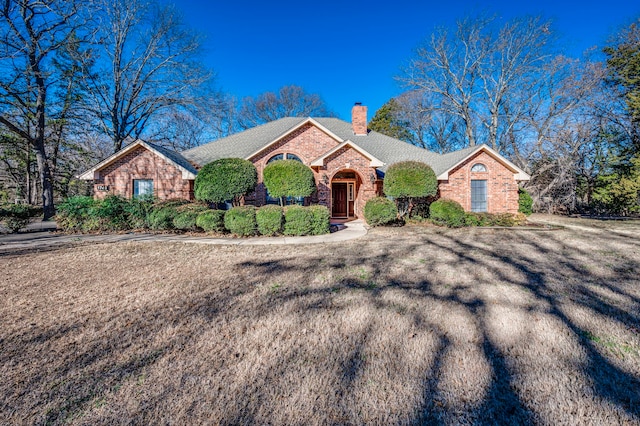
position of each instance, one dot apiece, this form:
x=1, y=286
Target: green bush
x=447, y=212
x=407, y=180
x=320, y=220
x=241, y=220
x=499, y=219
x=186, y=220
x=138, y=210
x=17, y=216
x=73, y=212
x=288, y=178
x=112, y=213
x=269, y=219
x=161, y=218
x=211, y=221
x=525, y=202
x=380, y=211
x=298, y=220
x=227, y=179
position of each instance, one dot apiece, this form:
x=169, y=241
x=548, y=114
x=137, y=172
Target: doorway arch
x=345, y=185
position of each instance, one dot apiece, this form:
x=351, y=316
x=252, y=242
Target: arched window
x=275, y=158
x=478, y=167
x=293, y=157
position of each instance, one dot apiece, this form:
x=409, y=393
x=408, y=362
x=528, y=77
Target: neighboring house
x=347, y=159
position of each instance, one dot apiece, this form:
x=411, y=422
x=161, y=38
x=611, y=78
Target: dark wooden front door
x=339, y=200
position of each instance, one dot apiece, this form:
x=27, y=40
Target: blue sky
x=350, y=51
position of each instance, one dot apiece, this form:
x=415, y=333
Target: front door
x=339, y=200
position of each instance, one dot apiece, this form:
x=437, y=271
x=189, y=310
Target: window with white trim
x=478, y=195
x=142, y=187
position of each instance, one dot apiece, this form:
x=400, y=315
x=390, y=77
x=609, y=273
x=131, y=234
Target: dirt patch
x=405, y=326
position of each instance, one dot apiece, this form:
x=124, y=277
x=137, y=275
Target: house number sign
x=102, y=187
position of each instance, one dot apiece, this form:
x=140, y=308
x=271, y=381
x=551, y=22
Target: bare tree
x=429, y=123
x=31, y=31
x=290, y=101
x=149, y=63
x=475, y=71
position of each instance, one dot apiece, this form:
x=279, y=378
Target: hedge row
x=381, y=211
x=115, y=213
x=450, y=213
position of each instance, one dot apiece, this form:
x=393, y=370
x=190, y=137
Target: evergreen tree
x=388, y=122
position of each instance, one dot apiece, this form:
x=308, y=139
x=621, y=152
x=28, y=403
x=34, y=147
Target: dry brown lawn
x=414, y=325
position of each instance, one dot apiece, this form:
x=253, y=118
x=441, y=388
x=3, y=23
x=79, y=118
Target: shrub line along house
x=347, y=159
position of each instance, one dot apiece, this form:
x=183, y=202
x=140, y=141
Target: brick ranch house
x=347, y=159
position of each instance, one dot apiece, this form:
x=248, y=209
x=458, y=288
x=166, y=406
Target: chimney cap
x=358, y=103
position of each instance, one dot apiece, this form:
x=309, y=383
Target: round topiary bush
x=227, y=179
x=269, y=219
x=320, y=220
x=241, y=220
x=525, y=202
x=380, y=211
x=288, y=178
x=447, y=212
x=298, y=220
x=408, y=180
x=211, y=221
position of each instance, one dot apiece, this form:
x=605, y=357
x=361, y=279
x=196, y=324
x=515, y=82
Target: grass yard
x=414, y=325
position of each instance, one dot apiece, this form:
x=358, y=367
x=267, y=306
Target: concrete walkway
x=42, y=240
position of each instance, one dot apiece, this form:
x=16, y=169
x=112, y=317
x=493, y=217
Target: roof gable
x=319, y=162
x=188, y=171
x=303, y=123
x=453, y=159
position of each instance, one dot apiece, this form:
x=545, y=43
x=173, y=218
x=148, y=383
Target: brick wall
x=347, y=158
x=502, y=189
x=140, y=163
x=309, y=143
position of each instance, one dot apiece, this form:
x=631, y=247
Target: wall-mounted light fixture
x=372, y=178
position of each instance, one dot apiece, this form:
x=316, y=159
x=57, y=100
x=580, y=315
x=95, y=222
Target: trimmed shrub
x=380, y=211
x=73, y=212
x=186, y=220
x=161, y=218
x=298, y=220
x=525, y=202
x=227, y=179
x=288, y=178
x=447, y=212
x=488, y=219
x=269, y=220
x=241, y=220
x=320, y=220
x=478, y=219
x=211, y=221
x=407, y=180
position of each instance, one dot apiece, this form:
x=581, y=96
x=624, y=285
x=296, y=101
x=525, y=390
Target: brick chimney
x=359, y=119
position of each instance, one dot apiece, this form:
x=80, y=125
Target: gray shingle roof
x=385, y=148
x=243, y=144
x=174, y=156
